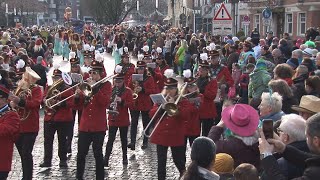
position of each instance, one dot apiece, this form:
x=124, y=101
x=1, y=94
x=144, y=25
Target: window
x=302, y=23
x=257, y=22
x=289, y=23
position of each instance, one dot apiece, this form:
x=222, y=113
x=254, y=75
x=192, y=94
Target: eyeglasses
x=93, y=72
x=279, y=131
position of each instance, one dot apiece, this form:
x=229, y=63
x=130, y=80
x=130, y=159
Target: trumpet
x=171, y=109
x=85, y=87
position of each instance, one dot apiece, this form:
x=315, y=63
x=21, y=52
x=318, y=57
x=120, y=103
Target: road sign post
x=222, y=21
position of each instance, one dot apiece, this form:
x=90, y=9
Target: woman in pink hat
x=238, y=126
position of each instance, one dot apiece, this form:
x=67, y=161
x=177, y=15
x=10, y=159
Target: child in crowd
x=236, y=74
x=244, y=82
x=48, y=55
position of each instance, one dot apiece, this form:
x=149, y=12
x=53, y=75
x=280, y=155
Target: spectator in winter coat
x=258, y=83
x=240, y=141
x=311, y=161
x=288, y=99
x=270, y=106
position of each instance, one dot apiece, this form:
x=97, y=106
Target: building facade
x=290, y=16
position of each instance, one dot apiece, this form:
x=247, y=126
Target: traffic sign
x=246, y=20
x=222, y=13
x=266, y=22
x=266, y=13
x=222, y=21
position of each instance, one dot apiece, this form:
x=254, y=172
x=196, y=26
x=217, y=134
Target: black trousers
x=71, y=130
x=84, y=141
x=50, y=128
x=134, y=124
x=112, y=136
x=178, y=159
x=3, y=175
x=25, y=145
x=206, y=125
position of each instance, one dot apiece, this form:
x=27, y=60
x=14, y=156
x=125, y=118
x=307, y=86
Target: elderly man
x=309, y=105
x=311, y=161
x=270, y=106
x=292, y=132
x=278, y=57
x=296, y=58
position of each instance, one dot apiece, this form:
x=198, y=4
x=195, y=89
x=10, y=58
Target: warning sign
x=222, y=21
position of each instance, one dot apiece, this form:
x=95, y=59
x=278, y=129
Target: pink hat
x=241, y=119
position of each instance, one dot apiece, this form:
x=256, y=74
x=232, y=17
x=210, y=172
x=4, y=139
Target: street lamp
x=7, y=11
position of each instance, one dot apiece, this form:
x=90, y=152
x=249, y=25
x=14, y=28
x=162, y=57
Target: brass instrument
x=171, y=109
x=85, y=87
x=23, y=93
x=135, y=90
x=53, y=93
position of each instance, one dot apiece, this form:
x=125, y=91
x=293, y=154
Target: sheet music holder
x=158, y=98
x=137, y=77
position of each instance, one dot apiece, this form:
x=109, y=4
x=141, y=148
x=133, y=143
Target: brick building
x=291, y=16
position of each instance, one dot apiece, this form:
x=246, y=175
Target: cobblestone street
x=142, y=163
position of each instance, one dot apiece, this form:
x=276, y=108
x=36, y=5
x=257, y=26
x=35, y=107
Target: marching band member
x=27, y=99
x=9, y=129
x=152, y=68
x=142, y=103
x=169, y=132
x=93, y=127
x=192, y=94
x=75, y=68
x=118, y=117
x=161, y=67
x=208, y=87
x=57, y=119
x=223, y=76
x=127, y=67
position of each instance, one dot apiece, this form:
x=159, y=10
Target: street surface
x=142, y=163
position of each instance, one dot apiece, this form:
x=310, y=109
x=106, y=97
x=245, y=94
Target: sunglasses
x=93, y=72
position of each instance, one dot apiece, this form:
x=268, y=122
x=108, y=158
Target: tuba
x=23, y=94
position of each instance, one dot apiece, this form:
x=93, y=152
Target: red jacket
x=9, y=130
x=208, y=107
x=170, y=131
x=159, y=78
x=192, y=120
x=93, y=117
x=63, y=112
x=223, y=75
x=128, y=69
x=122, y=120
x=32, y=104
x=143, y=102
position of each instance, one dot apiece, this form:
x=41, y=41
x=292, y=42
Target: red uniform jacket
x=143, y=102
x=208, y=107
x=63, y=112
x=192, y=120
x=223, y=75
x=159, y=78
x=128, y=70
x=122, y=120
x=170, y=131
x=32, y=104
x=9, y=130
x=93, y=117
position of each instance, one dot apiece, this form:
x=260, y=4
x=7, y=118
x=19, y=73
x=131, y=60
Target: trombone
x=85, y=87
x=171, y=109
